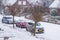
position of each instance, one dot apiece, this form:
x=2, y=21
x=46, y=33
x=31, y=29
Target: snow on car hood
x=39, y=27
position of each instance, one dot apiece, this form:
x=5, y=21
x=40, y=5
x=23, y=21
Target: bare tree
x=14, y=9
x=37, y=15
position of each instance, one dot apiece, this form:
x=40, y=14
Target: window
x=24, y=2
x=19, y=3
x=7, y=17
x=53, y=12
x=38, y=24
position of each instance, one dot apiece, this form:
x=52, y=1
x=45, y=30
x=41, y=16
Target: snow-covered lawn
x=51, y=32
x=17, y=34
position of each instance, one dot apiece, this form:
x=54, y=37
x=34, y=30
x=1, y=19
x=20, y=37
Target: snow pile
x=16, y=35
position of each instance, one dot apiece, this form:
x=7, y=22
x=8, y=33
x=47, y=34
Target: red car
x=21, y=24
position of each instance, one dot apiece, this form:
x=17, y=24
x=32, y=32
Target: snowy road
x=51, y=32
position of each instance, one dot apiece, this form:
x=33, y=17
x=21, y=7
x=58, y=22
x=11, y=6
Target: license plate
x=40, y=30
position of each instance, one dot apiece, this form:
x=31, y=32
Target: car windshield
x=38, y=24
x=31, y=23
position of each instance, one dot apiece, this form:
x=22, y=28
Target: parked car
x=8, y=19
x=21, y=24
x=39, y=28
x=29, y=26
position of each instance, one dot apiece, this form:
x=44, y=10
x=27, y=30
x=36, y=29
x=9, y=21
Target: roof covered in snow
x=9, y=2
x=55, y=4
x=35, y=2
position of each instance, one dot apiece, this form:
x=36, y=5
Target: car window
x=38, y=24
x=30, y=23
x=7, y=17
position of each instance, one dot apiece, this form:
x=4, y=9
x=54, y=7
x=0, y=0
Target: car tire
x=26, y=29
x=2, y=21
x=16, y=26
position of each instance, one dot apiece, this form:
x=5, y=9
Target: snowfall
x=51, y=32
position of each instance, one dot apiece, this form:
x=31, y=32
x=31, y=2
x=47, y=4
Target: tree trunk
x=6, y=38
x=13, y=21
x=35, y=28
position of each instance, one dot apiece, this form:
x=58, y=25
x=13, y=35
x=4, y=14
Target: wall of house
x=58, y=11
x=1, y=7
x=47, y=2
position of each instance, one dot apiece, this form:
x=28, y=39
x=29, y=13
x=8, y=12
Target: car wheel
x=17, y=25
x=2, y=21
x=26, y=29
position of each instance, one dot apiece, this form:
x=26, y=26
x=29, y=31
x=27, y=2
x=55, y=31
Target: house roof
x=11, y=2
x=55, y=4
x=8, y=2
x=35, y=2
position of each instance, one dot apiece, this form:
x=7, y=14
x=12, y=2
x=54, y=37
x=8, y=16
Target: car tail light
x=23, y=23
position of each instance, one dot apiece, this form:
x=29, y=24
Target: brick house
x=56, y=6
x=22, y=4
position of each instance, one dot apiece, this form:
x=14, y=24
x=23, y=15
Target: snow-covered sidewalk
x=18, y=34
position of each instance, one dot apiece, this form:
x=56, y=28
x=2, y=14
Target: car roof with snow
x=7, y=16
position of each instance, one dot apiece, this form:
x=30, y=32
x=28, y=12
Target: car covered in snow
x=9, y=19
x=39, y=28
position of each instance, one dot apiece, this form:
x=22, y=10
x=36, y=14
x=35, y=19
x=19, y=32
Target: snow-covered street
x=51, y=32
